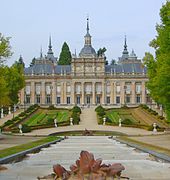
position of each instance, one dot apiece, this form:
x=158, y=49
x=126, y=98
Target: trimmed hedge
x=18, y=119
x=100, y=113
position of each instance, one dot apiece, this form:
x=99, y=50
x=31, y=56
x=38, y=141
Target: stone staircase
x=88, y=117
x=138, y=165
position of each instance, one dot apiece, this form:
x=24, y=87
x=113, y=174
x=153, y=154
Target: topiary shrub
x=22, y=114
x=25, y=128
x=76, y=109
x=99, y=108
x=76, y=117
x=7, y=123
x=101, y=113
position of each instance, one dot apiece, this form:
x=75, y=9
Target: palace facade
x=87, y=81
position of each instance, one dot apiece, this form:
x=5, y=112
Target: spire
x=50, y=47
x=125, y=53
x=41, y=53
x=87, y=25
x=87, y=36
x=125, y=45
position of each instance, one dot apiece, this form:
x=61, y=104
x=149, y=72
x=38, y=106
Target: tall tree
x=65, y=55
x=159, y=68
x=4, y=91
x=15, y=78
x=5, y=48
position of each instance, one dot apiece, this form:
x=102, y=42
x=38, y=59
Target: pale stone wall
x=83, y=81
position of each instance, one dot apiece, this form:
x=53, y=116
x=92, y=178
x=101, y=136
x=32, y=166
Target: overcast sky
x=30, y=22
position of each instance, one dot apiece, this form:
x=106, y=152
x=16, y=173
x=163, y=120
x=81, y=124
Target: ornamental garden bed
x=37, y=118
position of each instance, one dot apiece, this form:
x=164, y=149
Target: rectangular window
x=138, y=88
x=68, y=100
x=117, y=99
x=27, y=99
x=48, y=89
x=38, y=89
x=48, y=99
x=98, y=99
x=138, y=99
x=128, y=88
x=118, y=89
x=38, y=99
x=78, y=88
x=68, y=89
x=98, y=88
x=127, y=99
x=88, y=88
x=58, y=89
x=78, y=99
x=58, y=100
x=108, y=89
x=108, y=99
x=28, y=89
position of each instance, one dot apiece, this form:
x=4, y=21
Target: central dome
x=87, y=51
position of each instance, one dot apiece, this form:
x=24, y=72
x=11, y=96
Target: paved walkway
x=10, y=116
x=88, y=117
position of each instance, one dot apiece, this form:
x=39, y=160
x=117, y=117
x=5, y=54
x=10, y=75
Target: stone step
x=138, y=165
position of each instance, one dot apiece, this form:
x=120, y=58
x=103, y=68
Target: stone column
x=94, y=93
x=32, y=92
x=112, y=93
x=115, y=92
x=143, y=93
x=43, y=93
x=53, y=93
x=22, y=96
x=62, y=92
x=122, y=93
x=82, y=90
x=103, y=93
x=133, y=93
x=73, y=93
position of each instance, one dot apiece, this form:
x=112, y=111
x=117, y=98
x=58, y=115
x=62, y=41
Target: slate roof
x=126, y=68
x=39, y=69
x=48, y=69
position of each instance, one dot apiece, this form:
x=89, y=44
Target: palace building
x=87, y=81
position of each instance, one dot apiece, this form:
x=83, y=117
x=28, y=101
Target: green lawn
x=42, y=116
x=23, y=147
x=115, y=114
